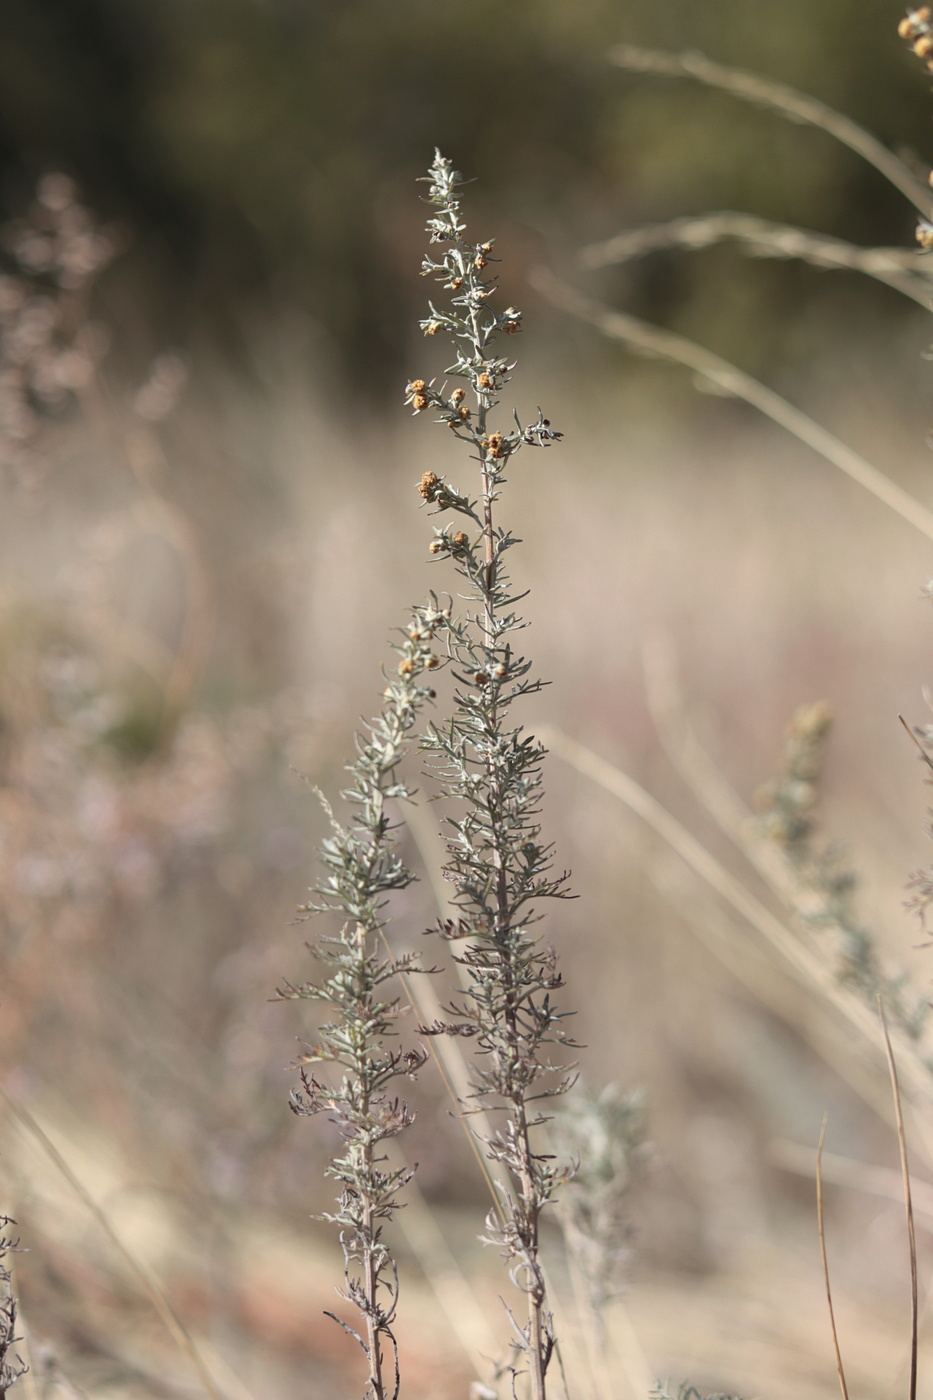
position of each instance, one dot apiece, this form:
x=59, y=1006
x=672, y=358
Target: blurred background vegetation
x=209, y=525
x=263, y=154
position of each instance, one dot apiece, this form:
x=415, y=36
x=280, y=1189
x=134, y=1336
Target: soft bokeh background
x=210, y=526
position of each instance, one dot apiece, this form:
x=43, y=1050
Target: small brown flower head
x=419, y=403
x=486, y=381
x=485, y=248
x=924, y=234
x=463, y=412
x=432, y=327
x=479, y=262
x=429, y=483
x=512, y=320
x=458, y=396
x=500, y=672
x=481, y=293
x=432, y=662
x=417, y=386
x=481, y=678
x=495, y=444
x=406, y=667
x=438, y=546
x=454, y=284
x=460, y=540
x=923, y=46
x=913, y=23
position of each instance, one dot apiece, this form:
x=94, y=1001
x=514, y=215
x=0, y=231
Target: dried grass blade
x=762, y=238
x=829, y=1292
x=151, y=1285
x=923, y=753
x=656, y=343
x=908, y=1204
x=778, y=97
x=811, y=971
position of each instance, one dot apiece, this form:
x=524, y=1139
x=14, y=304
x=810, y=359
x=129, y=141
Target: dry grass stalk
x=908, y=1203
x=655, y=343
x=763, y=238
x=840, y=1369
x=782, y=99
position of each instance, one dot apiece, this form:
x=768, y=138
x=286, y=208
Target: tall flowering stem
x=491, y=770
x=362, y=868
x=11, y=1365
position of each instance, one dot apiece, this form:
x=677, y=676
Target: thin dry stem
x=840, y=1370
x=778, y=97
x=809, y=969
x=650, y=340
x=908, y=1204
x=151, y=1285
x=905, y=272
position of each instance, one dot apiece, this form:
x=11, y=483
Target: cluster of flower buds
x=456, y=544
x=419, y=394
x=434, y=489
x=416, y=655
x=489, y=379
x=917, y=29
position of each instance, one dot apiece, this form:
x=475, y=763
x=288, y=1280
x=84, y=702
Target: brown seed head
x=455, y=284
x=458, y=396
x=437, y=546
x=460, y=540
x=432, y=328
x=406, y=666
x=923, y=47
x=463, y=412
x=500, y=672
x=479, y=262
x=419, y=403
x=481, y=678
x=495, y=443
x=486, y=381
x=906, y=28
x=428, y=482
x=417, y=386
x=432, y=662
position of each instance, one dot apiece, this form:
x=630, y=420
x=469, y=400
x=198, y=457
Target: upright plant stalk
x=491, y=770
x=362, y=868
x=12, y=1366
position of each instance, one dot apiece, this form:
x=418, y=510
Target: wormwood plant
x=11, y=1365
x=489, y=771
